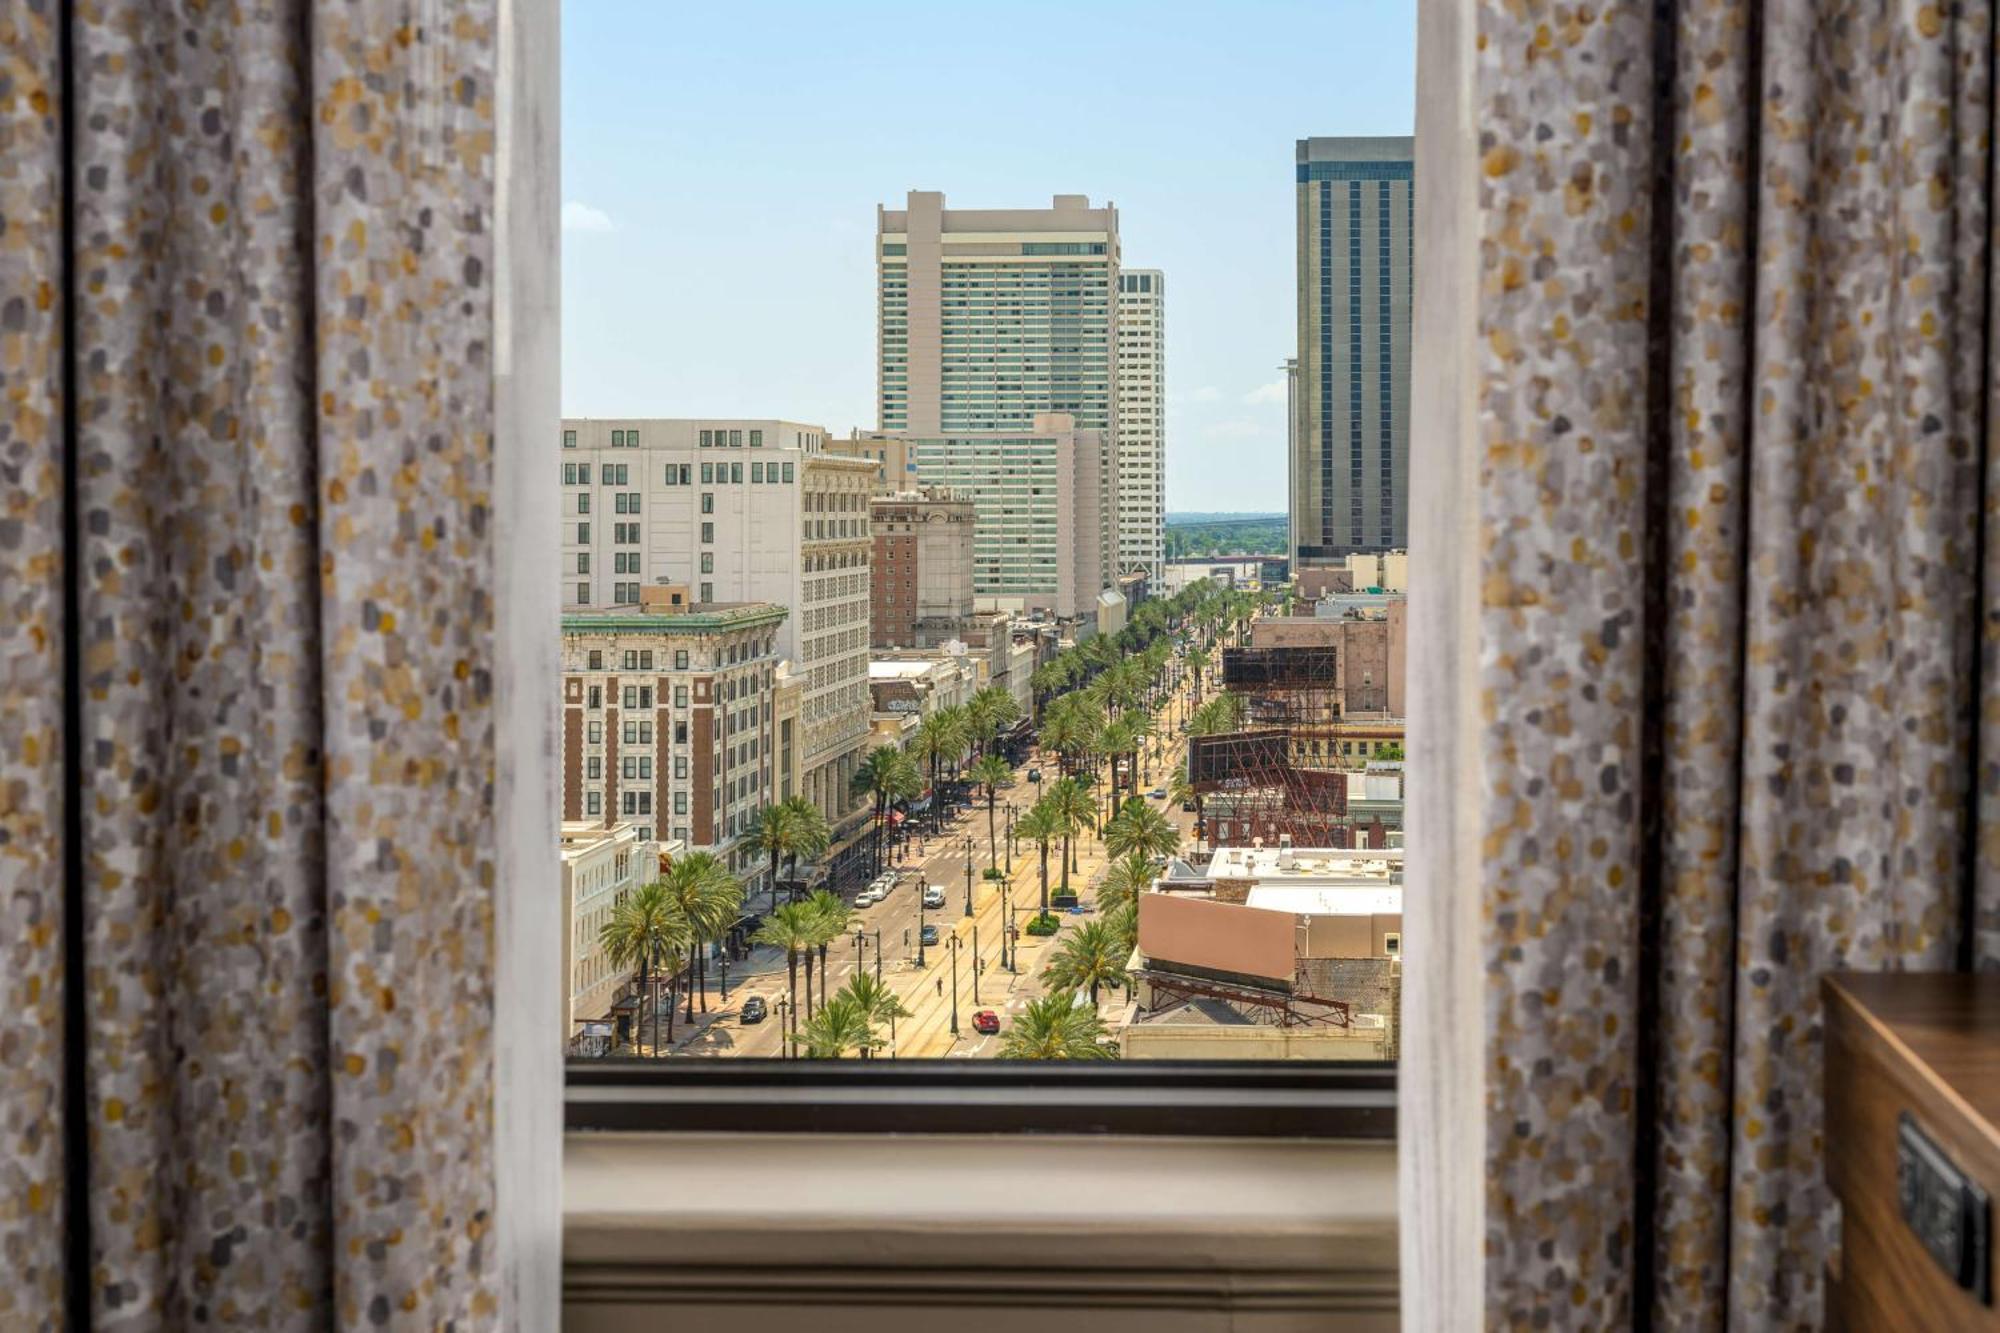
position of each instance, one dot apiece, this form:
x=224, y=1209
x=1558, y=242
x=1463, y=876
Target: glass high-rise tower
x=1350, y=483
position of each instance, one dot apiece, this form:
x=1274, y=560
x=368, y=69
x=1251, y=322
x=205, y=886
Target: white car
x=934, y=897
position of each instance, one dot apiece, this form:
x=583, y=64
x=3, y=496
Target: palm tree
x=775, y=830
x=1069, y=725
x=791, y=928
x=990, y=711
x=810, y=834
x=1043, y=827
x=1129, y=876
x=886, y=775
x=1118, y=737
x=1077, y=809
x=1054, y=1028
x=992, y=772
x=877, y=1002
x=939, y=741
x=831, y=914
x=1138, y=827
x=840, y=1026
x=1087, y=959
x=1198, y=667
x=645, y=927
x=710, y=899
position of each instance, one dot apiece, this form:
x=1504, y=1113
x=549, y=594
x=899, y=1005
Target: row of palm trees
x=690, y=906
x=890, y=774
x=794, y=829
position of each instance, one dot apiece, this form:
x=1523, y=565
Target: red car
x=986, y=1021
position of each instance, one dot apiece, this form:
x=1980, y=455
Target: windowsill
x=781, y=1222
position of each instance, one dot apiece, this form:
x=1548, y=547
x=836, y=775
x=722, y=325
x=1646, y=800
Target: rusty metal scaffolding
x=1288, y=1008
x=1254, y=783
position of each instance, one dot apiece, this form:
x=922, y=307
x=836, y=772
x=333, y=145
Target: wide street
x=928, y=990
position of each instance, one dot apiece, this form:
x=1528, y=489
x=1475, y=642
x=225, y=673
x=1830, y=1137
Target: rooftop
x=1309, y=865
x=698, y=618
x=1328, y=899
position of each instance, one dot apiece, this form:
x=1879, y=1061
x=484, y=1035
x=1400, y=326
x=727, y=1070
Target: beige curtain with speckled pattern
x=1738, y=616
x=260, y=334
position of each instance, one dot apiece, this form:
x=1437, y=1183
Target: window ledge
x=899, y=1231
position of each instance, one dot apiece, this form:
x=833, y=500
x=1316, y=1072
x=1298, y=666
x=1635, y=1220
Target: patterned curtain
x=246, y=654
x=1738, y=614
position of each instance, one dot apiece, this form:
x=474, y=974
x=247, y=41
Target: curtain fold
x=277, y=272
x=1737, y=653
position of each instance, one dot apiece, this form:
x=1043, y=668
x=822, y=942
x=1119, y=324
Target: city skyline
x=776, y=311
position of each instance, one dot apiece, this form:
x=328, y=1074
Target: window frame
x=1347, y=1099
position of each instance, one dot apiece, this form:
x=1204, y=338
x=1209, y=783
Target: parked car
x=986, y=1021
x=1158, y=793
x=929, y=934
x=869, y=896
x=754, y=1010
x=933, y=897
x=883, y=885
x=1188, y=806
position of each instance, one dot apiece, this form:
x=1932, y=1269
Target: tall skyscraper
x=1350, y=486
x=1142, y=420
x=988, y=319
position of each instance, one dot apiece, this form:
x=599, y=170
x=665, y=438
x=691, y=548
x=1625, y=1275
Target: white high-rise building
x=1142, y=420
x=736, y=511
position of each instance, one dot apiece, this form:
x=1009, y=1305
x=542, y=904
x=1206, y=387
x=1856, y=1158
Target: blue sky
x=722, y=164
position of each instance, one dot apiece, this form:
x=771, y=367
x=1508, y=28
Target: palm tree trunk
x=992, y=841
x=1065, y=863
x=809, y=981
x=639, y=1028
x=1045, y=879
x=694, y=948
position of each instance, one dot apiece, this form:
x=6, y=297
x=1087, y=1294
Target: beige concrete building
x=1039, y=540
x=998, y=362
x=788, y=697
x=921, y=584
x=1296, y=940
x=600, y=864
x=667, y=723
x=1142, y=421
x=990, y=316
x=895, y=470
x=737, y=510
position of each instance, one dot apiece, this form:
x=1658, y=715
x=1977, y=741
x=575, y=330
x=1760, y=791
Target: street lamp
x=784, y=1008
x=860, y=935
x=954, y=986
x=722, y=961
x=878, y=960
x=923, y=887
x=968, y=874
x=975, y=963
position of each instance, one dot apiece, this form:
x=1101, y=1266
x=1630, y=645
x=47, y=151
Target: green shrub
x=1043, y=925
x=995, y=872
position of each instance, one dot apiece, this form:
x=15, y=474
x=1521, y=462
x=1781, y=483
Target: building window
x=583, y=562
x=680, y=802
x=583, y=534
x=646, y=660
x=707, y=474
x=680, y=766
x=631, y=439
x=569, y=439
x=593, y=767
x=735, y=469
x=708, y=532
x=617, y=439
x=596, y=660
x=673, y=474
x=707, y=592
x=684, y=474
x=593, y=803
x=631, y=659
x=756, y=439
x=1392, y=944
x=681, y=664
x=705, y=438
x=596, y=696
x=736, y=440
x=583, y=504
x=583, y=594
x=633, y=503
x=708, y=502
x=708, y=562
x=756, y=473
x=680, y=733
x=788, y=473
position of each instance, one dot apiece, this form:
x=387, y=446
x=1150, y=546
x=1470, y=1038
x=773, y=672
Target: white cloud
x=1274, y=392
x=1207, y=393
x=582, y=217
